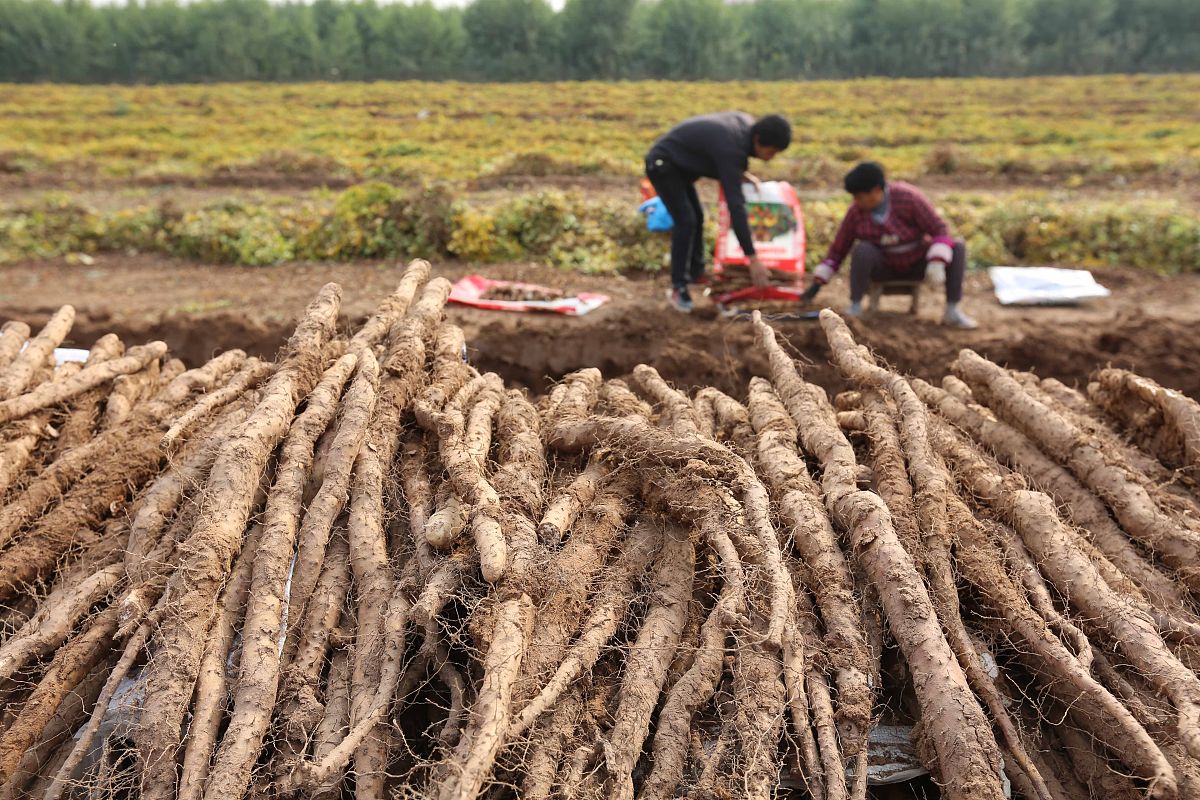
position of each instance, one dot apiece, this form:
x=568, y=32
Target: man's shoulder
x=739, y=119
x=904, y=190
x=724, y=118
x=854, y=212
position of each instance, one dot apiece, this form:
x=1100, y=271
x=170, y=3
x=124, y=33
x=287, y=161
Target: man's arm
x=842, y=242
x=735, y=201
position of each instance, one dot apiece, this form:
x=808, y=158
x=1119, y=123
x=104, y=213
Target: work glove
x=823, y=273
x=940, y=250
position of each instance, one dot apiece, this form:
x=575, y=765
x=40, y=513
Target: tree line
x=164, y=41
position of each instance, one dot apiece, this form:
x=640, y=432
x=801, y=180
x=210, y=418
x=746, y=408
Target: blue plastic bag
x=658, y=219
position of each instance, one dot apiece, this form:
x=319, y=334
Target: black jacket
x=713, y=146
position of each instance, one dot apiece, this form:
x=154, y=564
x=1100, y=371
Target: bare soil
x=1148, y=325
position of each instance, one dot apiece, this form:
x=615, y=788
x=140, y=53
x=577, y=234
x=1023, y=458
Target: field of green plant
x=412, y=158
x=379, y=220
x=1073, y=128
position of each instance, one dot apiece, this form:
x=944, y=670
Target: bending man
x=896, y=234
x=710, y=146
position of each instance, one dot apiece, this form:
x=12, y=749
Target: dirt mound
x=193, y=338
x=1152, y=347
x=536, y=352
x=201, y=309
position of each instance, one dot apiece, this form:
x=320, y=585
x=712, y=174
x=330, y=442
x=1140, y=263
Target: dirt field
x=200, y=310
x=619, y=582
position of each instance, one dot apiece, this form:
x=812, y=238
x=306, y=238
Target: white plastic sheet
x=64, y=354
x=891, y=758
x=1044, y=285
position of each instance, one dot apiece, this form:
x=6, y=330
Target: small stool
x=878, y=289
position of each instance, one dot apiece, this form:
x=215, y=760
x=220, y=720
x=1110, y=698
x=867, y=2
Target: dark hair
x=772, y=131
x=865, y=177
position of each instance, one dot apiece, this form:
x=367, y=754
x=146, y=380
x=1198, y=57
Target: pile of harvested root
x=524, y=293
x=368, y=568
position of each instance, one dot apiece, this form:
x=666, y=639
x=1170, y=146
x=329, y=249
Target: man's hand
x=935, y=272
x=758, y=273
x=746, y=176
x=822, y=274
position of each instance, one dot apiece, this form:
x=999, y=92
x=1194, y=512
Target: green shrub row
x=379, y=221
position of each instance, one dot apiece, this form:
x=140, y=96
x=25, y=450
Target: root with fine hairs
x=369, y=567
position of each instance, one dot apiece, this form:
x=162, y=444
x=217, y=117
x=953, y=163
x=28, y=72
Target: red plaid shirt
x=904, y=235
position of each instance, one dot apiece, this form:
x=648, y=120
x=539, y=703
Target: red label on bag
x=776, y=223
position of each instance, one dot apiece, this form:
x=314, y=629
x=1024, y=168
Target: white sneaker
x=956, y=318
x=853, y=310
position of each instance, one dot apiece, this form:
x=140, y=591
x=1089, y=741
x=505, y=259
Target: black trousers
x=678, y=193
x=868, y=265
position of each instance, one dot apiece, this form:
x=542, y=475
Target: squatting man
x=892, y=232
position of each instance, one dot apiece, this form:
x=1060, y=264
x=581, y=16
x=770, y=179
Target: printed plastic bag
x=658, y=219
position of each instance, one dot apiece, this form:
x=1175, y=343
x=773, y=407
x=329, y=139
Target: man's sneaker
x=854, y=310
x=956, y=318
x=680, y=300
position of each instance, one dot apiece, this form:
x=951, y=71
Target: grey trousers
x=867, y=266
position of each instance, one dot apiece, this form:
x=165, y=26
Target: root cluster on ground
x=368, y=568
